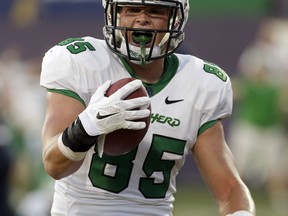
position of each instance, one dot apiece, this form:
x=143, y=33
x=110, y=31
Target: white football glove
x=241, y=213
x=104, y=115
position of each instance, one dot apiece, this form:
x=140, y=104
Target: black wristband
x=76, y=138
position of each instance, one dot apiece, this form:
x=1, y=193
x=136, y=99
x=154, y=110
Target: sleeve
x=218, y=102
x=57, y=70
x=61, y=73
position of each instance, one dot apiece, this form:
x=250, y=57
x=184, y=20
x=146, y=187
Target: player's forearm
x=238, y=198
x=55, y=163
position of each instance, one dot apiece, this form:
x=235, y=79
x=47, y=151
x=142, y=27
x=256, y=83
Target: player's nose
x=142, y=18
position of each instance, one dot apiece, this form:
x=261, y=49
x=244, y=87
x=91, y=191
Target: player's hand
x=104, y=115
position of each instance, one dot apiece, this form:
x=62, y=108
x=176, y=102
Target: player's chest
x=173, y=115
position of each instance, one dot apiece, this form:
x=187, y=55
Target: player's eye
x=152, y=11
x=158, y=11
x=132, y=10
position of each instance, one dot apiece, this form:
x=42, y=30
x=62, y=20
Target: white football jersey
x=191, y=95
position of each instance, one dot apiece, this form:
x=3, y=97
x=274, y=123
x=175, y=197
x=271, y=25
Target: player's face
x=144, y=17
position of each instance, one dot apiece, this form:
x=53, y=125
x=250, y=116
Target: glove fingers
x=136, y=114
x=100, y=92
x=104, y=87
x=134, y=103
x=106, y=114
x=127, y=89
x=134, y=125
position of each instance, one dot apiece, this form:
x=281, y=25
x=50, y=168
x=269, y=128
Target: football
x=122, y=141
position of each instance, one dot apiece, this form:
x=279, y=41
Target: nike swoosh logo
x=167, y=101
x=99, y=116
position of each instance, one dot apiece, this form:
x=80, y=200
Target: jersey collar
x=171, y=64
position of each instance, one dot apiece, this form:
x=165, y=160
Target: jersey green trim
x=206, y=126
x=171, y=64
x=68, y=93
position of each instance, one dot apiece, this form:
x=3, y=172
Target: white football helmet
x=116, y=36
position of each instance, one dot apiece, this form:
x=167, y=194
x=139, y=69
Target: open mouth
x=142, y=38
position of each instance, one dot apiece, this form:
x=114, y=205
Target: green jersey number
x=216, y=70
x=120, y=168
x=156, y=162
x=77, y=45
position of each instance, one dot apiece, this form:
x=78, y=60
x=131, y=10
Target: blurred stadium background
x=218, y=31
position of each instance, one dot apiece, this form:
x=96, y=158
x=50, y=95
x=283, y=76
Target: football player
x=188, y=96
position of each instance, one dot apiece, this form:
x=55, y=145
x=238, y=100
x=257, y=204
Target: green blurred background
x=218, y=31
x=224, y=8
